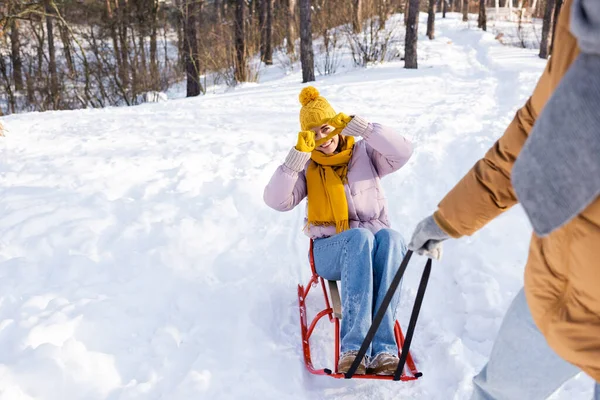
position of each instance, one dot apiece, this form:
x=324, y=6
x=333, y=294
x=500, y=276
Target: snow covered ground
x=138, y=260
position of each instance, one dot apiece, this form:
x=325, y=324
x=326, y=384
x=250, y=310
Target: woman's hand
x=340, y=121
x=306, y=141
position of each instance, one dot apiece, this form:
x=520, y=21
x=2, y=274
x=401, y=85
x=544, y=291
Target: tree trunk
x=29, y=84
x=54, y=92
x=15, y=55
x=431, y=20
x=357, y=16
x=410, y=45
x=165, y=41
x=291, y=25
x=268, y=59
x=241, y=74
x=265, y=22
x=113, y=33
x=142, y=44
x=136, y=83
x=8, y=89
x=545, y=41
x=533, y=7
x=482, y=20
x=109, y=9
x=41, y=39
x=191, y=50
x=64, y=36
x=9, y=93
x=406, y=7
x=520, y=12
x=465, y=10
x=218, y=4
x=262, y=26
x=180, y=28
x=306, y=50
x=444, y=7
x=122, y=32
x=154, y=76
x=224, y=8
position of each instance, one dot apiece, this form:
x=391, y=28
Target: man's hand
x=427, y=239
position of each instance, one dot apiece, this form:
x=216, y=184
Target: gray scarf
x=557, y=173
x=585, y=25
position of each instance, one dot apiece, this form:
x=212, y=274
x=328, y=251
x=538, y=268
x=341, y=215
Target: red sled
x=333, y=311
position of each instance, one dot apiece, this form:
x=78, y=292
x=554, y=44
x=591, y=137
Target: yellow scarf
x=325, y=178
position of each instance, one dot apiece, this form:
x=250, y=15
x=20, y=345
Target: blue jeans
x=366, y=265
x=522, y=365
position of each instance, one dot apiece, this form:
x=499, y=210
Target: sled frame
x=333, y=311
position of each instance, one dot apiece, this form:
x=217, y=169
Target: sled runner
x=333, y=310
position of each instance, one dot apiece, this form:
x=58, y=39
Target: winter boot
x=384, y=364
x=346, y=360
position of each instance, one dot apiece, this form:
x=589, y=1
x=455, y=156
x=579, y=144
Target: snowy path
x=138, y=260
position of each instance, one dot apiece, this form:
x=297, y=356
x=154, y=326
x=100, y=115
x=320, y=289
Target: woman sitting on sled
x=347, y=218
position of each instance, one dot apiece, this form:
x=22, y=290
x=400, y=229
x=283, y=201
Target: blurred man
x=548, y=160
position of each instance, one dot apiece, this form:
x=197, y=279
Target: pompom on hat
x=315, y=110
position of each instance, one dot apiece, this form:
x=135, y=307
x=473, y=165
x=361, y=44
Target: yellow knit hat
x=315, y=109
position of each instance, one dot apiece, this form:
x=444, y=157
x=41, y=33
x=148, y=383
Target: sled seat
x=336, y=303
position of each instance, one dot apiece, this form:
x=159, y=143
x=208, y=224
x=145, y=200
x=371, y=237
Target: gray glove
x=427, y=239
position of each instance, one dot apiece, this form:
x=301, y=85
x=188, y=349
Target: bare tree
x=465, y=10
x=482, y=19
x=546, y=27
x=262, y=26
x=268, y=59
x=431, y=20
x=16, y=55
x=122, y=27
x=7, y=88
x=444, y=6
x=412, y=27
x=241, y=71
x=64, y=37
x=265, y=22
x=113, y=32
x=57, y=73
x=537, y=6
x=54, y=91
x=154, y=74
x=290, y=33
x=191, y=49
x=128, y=45
x=357, y=15
x=218, y=5
x=307, y=56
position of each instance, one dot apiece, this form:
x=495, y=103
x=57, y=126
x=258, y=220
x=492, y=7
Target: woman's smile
x=327, y=144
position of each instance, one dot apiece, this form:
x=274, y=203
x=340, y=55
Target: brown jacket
x=562, y=276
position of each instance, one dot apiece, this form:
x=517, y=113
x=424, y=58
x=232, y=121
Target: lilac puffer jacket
x=381, y=152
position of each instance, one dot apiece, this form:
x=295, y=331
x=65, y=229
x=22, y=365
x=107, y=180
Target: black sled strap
x=413, y=320
x=387, y=299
